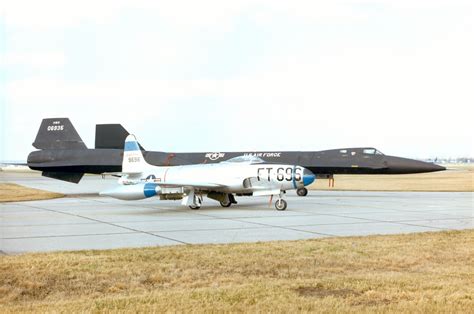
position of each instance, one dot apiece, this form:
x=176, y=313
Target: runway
x=84, y=220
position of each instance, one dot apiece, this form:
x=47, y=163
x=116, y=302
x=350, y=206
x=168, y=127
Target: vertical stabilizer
x=111, y=136
x=133, y=161
x=58, y=133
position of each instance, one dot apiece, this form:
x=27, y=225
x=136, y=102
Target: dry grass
x=459, y=179
x=424, y=272
x=10, y=192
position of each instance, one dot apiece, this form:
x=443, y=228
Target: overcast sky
x=243, y=75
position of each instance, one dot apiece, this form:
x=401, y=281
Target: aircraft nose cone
x=308, y=177
x=397, y=165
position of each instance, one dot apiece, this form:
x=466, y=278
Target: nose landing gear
x=281, y=204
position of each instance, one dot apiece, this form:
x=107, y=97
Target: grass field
x=423, y=272
x=455, y=179
x=10, y=192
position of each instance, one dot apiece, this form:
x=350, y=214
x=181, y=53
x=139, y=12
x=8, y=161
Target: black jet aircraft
x=63, y=155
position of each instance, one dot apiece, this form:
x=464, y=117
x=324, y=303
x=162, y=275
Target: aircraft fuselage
x=322, y=163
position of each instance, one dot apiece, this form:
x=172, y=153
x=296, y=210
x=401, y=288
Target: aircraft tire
x=281, y=204
x=197, y=203
x=232, y=199
x=226, y=203
x=302, y=192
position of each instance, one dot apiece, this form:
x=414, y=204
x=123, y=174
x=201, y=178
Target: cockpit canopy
x=362, y=150
x=245, y=159
x=372, y=151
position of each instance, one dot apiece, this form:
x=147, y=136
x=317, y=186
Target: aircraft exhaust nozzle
x=133, y=192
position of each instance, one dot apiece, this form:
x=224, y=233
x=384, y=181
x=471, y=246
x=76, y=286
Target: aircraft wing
x=262, y=187
x=260, y=184
x=177, y=184
x=189, y=184
x=121, y=174
x=259, y=188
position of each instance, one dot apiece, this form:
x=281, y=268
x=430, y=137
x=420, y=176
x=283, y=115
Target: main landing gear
x=197, y=202
x=229, y=200
x=302, y=191
x=226, y=203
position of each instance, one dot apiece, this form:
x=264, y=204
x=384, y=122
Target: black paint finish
x=63, y=155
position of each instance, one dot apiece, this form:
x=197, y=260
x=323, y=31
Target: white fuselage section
x=224, y=177
x=240, y=176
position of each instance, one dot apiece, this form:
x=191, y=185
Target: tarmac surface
x=84, y=220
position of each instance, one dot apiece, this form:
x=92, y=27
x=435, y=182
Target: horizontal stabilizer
x=72, y=177
x=111, y=136
x=58, y=133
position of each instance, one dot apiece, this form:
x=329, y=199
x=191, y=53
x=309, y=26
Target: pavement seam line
x=110, y=224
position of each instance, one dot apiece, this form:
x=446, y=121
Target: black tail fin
x=58, y=133
x=111, y=136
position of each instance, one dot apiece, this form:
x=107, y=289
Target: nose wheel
x=281, y=204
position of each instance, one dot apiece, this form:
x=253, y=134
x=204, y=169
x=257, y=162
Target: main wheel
x=232, y=199
x=197, y=202
x=226, y=203
x=281, y=204
x=302, y=191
